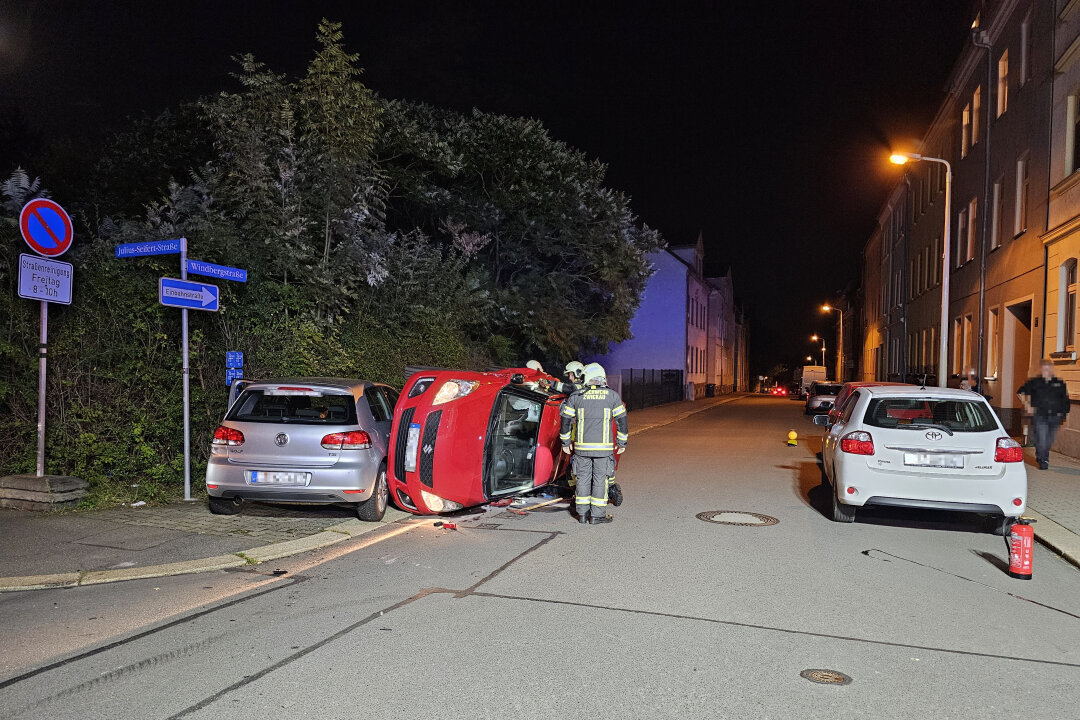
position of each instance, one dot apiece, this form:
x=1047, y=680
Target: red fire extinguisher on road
x=1021, y=548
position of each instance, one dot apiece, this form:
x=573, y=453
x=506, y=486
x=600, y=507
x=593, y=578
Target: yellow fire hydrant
x=792, y=438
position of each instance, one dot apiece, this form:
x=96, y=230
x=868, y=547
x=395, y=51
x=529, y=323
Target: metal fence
x=645, y=388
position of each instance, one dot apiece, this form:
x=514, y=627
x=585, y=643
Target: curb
x=684, y=415
x=1056, y=537
x=330, y=536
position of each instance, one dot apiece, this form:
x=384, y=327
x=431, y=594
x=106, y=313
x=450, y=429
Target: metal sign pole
x=187, y=375
x=42, y=350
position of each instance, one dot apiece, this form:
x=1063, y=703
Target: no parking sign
x=46, y=227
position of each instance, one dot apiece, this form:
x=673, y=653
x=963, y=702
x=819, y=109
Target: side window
x=849, y=407
x=377, y=403
x=391, y=398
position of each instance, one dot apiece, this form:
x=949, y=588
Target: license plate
x=260, y=477
x=411, y=444
x=934, y=460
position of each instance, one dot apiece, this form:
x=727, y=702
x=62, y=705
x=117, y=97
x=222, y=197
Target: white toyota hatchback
x=918, y=447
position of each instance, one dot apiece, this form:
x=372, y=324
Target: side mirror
x=821, y=419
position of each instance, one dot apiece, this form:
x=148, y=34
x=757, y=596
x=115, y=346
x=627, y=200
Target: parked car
x=464, y=438
x=917, y=447
x=845, y=392
x=821, y=397
x=304, y=440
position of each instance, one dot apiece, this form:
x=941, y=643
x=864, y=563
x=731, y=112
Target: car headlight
x=438, y=504
x=454, y=389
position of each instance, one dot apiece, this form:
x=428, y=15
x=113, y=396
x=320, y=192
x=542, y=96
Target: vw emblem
x=933, y=435
x=281, y=440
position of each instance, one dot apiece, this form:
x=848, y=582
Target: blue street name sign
x=186, y=294
x=234, y=359
x=159, y=247
x=232, y=374
x=220, y=271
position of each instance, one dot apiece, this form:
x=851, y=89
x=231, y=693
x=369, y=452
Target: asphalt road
x=658, y=614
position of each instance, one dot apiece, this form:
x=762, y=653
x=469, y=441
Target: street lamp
x=815, y=337
x=900, y=159
x=840, y=342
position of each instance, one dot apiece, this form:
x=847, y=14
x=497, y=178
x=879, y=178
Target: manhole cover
x=737, y=517
x=826, y=677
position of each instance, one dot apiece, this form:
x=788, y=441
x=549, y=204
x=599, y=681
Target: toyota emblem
x=282, y=440
x=933, y=435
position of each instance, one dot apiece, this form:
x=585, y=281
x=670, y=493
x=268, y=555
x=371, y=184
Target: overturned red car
x=464, y=438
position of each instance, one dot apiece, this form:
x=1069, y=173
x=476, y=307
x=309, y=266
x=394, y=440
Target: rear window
x=826, y=389
x=921, y=413
x=307, y=406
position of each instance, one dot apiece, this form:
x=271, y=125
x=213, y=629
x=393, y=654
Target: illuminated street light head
x=814, y=337
x=826, y=308
x=898, y=159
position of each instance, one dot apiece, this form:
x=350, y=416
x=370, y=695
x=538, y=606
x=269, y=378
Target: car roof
x=921, y=391
x=868, y=383
x=353, y=385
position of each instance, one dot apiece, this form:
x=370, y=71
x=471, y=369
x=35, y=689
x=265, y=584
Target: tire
x=373, y=509
x=224, y=506
x=841, y=512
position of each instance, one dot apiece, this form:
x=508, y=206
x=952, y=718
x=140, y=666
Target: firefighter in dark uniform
x=586, y=422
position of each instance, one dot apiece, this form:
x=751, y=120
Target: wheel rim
x=382, y=491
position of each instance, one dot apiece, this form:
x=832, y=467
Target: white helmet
x=594, y=375
x=574, y=369
x=534, y=365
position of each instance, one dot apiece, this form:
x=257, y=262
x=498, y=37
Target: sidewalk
x=39, y=550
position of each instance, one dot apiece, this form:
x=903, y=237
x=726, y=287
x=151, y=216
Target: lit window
x=993, y=351
x=1067, y=305
x=976, y=108
x=1003, y=83
x=965, y=131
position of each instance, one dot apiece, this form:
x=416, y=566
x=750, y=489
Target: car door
x=381, y=411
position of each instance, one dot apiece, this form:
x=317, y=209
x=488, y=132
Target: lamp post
x=815, y=337
x=900, y=159
x=839, y=342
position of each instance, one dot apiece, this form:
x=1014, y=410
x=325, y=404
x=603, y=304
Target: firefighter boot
x=603, y=519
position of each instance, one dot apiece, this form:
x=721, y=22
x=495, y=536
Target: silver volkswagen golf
x=303, y=440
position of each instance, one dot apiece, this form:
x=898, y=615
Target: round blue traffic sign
x=46, y=227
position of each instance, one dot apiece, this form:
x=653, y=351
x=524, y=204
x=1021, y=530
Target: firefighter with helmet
x=587, y=416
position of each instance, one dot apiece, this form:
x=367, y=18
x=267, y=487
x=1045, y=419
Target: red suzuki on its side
x=463, y=438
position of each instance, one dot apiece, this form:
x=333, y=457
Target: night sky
x=765, y=128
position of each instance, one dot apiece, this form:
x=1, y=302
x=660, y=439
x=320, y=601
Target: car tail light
x=857, y=443
x=227, y=436
x=1008, y=450
x=352, y=440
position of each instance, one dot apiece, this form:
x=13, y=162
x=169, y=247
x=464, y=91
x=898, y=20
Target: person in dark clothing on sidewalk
x=1048, y=400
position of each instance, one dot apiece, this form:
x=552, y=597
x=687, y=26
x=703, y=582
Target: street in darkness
x=659, y=614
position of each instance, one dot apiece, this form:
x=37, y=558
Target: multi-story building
x=688, y=334
x=992, y=129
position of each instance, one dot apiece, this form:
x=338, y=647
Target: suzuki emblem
x=281, y=440
x=933, y=435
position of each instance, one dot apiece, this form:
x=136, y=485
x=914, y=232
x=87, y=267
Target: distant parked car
x=780, y=390
x=821, y=397
x=304, y=440
x=928, y=448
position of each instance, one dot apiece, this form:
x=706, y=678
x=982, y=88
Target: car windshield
x=949, y=414
x=822, y=389
x=308, y=406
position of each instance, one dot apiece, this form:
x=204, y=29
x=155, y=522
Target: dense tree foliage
x=376, y=234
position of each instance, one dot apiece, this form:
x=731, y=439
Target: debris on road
x=138, y=504
x=446, y=525
x=501, y=503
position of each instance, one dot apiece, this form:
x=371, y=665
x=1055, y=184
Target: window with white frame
x=973, y=208
x=1067, y=305
x=968, y=344
x=993, y=349
x=1072, y=134
x=1022, y=185
x=958, y=344
x=1025, y=49
x=998, y=214
x=976, y=110
x=1003, y=83
x=965, y=131
x=961, y=236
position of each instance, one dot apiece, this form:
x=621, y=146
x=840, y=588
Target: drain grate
x=737, y=517
x=826, y=677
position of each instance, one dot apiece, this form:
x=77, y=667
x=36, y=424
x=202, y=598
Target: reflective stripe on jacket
x=586, y=421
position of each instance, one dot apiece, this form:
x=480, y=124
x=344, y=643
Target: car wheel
x=841, y=512
x=373, y=509
x=224, y=506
